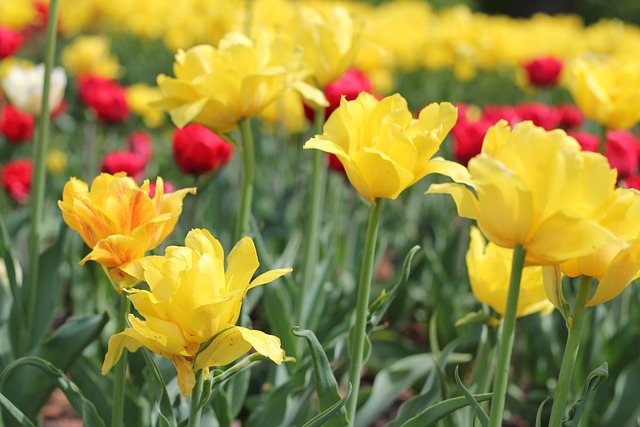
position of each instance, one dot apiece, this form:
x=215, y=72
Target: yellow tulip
x=607, y=90
x=90, y=55
x=614, y=267
x=217, y=87
x=489, y=267
x=383, y=149
x=329, y=41
x=119, y=221
x=139, y=97
x=537, y=189
x=191, y=301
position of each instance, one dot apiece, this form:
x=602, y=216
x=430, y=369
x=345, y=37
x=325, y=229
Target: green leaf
x=325, y=416
x=416, y=404
x=165, y=411
x=83, y=407
x=593, y=381
x=326, y=384
x=30, y=390
x=431, y=415
x=539, y=413
x=380, y=305
x=392, y=381
x=17, y=322
x=15, y=413
x=480, y=414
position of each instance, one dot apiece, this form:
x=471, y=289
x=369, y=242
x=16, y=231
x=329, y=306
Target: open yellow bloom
x=613, y=266
x=217, y=87
x=191, y=301
x=489, y=267
x=537, y=189
x=119, y=220
x=385, y=150
x=607, y=90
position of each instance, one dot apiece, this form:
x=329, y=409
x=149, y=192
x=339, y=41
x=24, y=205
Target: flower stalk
x=248, y=174
x=38, y=181
x=117, y=412
x=318, y=189
x=506, y=339
x=575, y=325
x=195, y=411
x=362, y=309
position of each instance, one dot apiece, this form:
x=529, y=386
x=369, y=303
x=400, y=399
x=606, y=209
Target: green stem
x=117, y=412
x=506, y=339
x=248, y=173
x=318, y=189
x=362, y=309
x=602, y=147
x=570, y=352
x=38, y=181
x=195, y=411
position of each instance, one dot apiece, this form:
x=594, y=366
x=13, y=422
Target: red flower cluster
x=104, y=97
x=197, y=150
x=15, y=125
x=543, y=71
x=16, y=179
x=10, y=42
x=468, y=133
x=621, y=149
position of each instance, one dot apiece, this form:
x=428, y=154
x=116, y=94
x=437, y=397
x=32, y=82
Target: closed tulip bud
x=140, y=143
x=10, y=42
x=15, y=125
x=104, y=97
x=197, y=150
x=24, y=86
x=123, y=161
x=16, y=179
x=544, y=71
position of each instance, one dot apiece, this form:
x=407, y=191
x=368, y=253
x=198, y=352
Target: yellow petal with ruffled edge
x=242, y=262
x=186, y=375
x=269, y=276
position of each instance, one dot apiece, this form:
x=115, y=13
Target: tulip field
x=279, y=213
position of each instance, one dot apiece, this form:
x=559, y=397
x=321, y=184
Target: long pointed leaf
x=430, y=416
x=165, y=411
x=83, y=407
x=482, y=416
x=326, y=384
x=322, y=418
x=15, y=413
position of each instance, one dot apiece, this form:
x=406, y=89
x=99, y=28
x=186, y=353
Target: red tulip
x=543, y=71
x=350, y=85
x=140, y=144
x=16, y=179
x=197, y=150
x=570, y=116
x=15, y=125
x=540, y=114
x=104, y=97
x=468, y=136
x=123, y=161
x=10, y=42
x=621, y=150
x=495, y=113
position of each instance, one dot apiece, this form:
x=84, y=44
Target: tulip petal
x=464, y=198
x=623, y=269
x=454, y=170
x=186, y=375
x=227, y=347
x=117, y=343
x=116, y=250
x=242, y=262
x=269, y=276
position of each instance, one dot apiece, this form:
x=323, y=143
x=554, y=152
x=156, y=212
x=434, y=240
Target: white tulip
x=23, y=86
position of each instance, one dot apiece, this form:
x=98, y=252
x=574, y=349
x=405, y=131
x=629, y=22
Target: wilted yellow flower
x=489, y=267
x=191, y=301
x=383, y=149
x=90, y=55
x=536, y=189
x=139, y=97
x=217, y=87
x=24, y=86
x=119, y=220
x=329, y=42
x=614, y=267
x=607, y=90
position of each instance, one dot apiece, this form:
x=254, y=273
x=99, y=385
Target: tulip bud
x=197, y=150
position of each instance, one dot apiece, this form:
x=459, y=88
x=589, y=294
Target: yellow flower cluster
x=454, y=38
